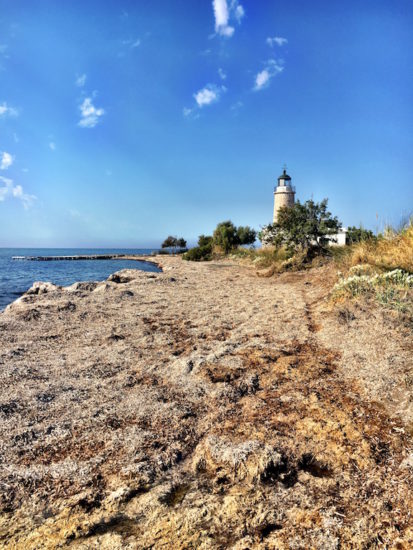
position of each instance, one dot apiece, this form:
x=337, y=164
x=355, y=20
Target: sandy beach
x=204, y=407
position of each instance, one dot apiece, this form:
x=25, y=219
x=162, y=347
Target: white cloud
x=5, y=110
x=211, y=93
x=52, y=146
x=207, y=95
x=272, y=68
x=222, y=74
x=261, y=79
x=276, y=40
x=81, y=80
x=136, y=43
x=224, y=13
x=239, y=13
x=15, y=191
x=89, y=114
x=221, y=13
x=6, y=160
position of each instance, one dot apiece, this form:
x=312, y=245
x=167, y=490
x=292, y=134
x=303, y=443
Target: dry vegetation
x=205, y=407
x=394, y=250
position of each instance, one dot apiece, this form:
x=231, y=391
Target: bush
x=204, y=240
x=389, y=288
x=226, y=238
x=358, y=234
x=198, y=254
x=202, y=252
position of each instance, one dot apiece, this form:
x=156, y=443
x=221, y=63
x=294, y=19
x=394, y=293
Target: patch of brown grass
x=393, y=250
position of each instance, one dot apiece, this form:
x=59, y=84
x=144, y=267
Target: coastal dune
x=203, y=407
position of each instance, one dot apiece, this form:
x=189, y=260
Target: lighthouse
x=284, y=193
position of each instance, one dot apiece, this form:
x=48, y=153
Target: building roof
x=284, y=176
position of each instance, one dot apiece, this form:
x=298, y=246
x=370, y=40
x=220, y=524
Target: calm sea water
x=16, y=276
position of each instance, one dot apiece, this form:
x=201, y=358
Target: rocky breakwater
x=200, y=407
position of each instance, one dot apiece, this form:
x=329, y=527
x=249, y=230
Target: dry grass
x=392, y=250
x=379, y=270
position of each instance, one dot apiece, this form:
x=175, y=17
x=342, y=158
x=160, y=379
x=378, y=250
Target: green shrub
x=359, y=234
x=198, y=254
x=202, y=252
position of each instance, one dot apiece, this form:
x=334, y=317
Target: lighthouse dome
x=284, y=176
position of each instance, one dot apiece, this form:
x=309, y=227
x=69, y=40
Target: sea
x=17, y=276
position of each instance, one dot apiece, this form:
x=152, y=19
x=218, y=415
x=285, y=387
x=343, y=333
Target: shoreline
x=140, y=258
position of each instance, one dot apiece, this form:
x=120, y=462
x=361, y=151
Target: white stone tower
x=284, y=193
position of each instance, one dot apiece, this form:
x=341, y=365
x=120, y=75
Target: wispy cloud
x=81, y=80
x=187, y=111
x=224, y=13
x=222, y=74
x=9, y=190
x=135, y=43
x=239, y=12
x=237, y=106
x=276, y=40
x=272, y=68
x=90, y=115
x=52, y=146
x=6, y=160
x=3, y=51
x=5, y=110
x=3, y=55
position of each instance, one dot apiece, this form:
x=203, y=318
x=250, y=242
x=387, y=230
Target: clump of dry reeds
x=392, y=250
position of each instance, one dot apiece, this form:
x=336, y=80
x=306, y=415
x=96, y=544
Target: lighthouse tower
x=284, y=193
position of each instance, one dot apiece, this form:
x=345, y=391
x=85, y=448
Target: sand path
x=203, y=407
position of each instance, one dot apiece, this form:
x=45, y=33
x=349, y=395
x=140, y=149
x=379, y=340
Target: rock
x=42, y=288
x=119, y=278
x=82, y=286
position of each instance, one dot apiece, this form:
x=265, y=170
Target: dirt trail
x=203, y=407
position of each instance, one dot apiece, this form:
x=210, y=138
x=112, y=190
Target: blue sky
x=124, y=121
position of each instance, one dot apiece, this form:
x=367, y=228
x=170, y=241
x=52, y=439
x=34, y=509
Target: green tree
x=304, y=226
x=181, y=243
x=170, y=242
x=225, y=236
x=357, y=234
x=246, y=235
x=174, y=243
